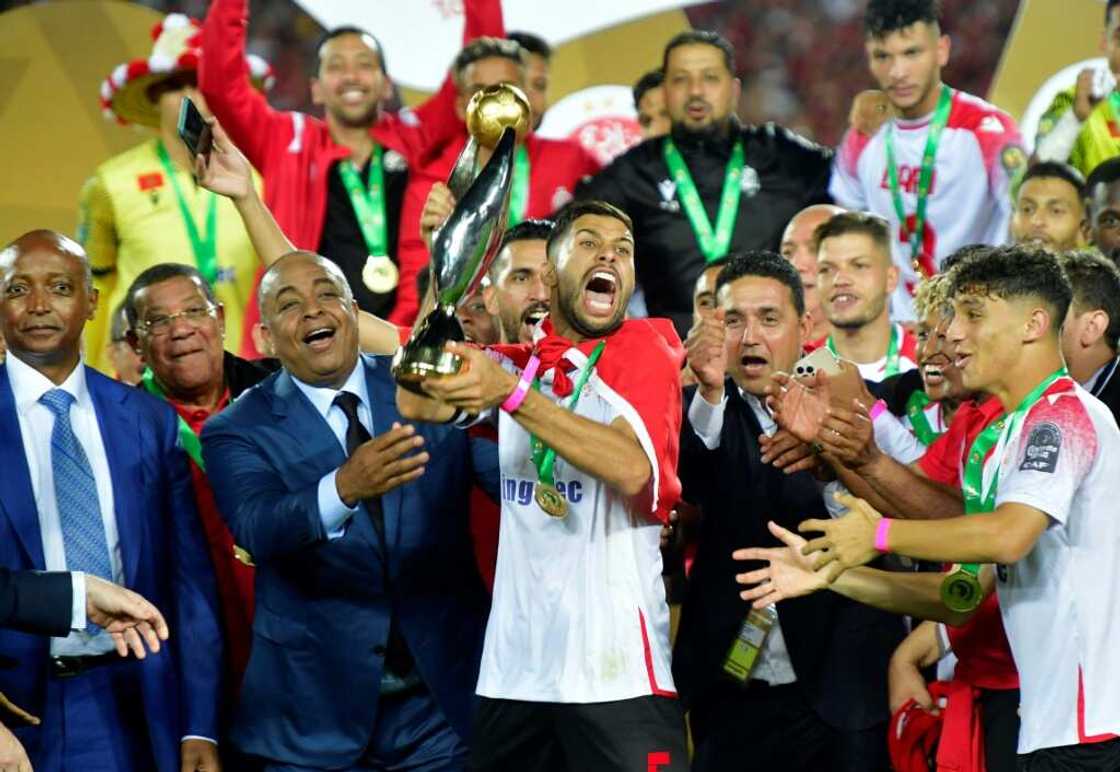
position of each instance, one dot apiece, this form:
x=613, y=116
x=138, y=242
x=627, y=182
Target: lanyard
x=919, y=421
x=1114, y=103
x=925, y=176
x=205, y=248
x=519, y=190
x=891, y=365
x=713, y=245
x=544, y=457
x=188, y=440
x=369, y=204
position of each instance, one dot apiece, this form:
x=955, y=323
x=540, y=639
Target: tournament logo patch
x=749, y=183
x=1043, y=446
x=1013, y=158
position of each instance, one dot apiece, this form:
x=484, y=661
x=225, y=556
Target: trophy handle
x=463, y=173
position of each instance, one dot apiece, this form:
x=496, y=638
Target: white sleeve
x=844, y=186
x=898, y=442
x=1058, y=143
x=78, y=601
x=706, y=419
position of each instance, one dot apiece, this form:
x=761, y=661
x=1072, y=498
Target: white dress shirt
x=773, y=664
x=333, y=512
x=36, y=423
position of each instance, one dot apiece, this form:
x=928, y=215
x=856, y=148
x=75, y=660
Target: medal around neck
x=550, y=500
x=380, y=274
x=464, y=247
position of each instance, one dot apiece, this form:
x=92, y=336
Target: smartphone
x=194, y=130
x=821, y=359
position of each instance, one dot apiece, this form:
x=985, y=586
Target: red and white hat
x=124, y=94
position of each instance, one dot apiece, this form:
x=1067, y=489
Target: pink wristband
x=877, y=410
x=517, y=396
x=881, y=532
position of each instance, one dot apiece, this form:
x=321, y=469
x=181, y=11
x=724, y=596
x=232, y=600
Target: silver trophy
x=465, y=245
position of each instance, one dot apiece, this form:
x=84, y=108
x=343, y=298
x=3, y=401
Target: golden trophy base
x=424, y=356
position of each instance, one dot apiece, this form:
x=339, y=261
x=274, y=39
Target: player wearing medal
x=1039, y=488
x=940, y=172
x=855, y=277
x=712, y=185
x=575, y=669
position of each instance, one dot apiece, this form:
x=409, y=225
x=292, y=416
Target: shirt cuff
x=197, y=737
x=332, y=511
x=706, y=419
x=78, y=602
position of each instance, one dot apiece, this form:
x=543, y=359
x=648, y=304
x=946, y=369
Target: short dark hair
x=485, y=48
x=950, y=261
x=119, y=324
x=533, y=44
x=1096, y=285
x=576, y=209
x=768, y=265
x=161, y=273
x=1015, y=271
x=350, y=29
x=871, y=225
x=701, y=37
x=885, y=16
x=526, y=230
x=1104, y=173
x=651, y=80
x=1055, y=170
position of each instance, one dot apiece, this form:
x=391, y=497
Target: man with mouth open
x=941, y=171
x=576, y=667
x=855, y=277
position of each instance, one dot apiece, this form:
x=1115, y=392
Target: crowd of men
x=858, y=432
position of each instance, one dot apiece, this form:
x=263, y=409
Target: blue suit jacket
x=164, y=557
x=310, y=693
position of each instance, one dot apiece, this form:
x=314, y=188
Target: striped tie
x=79, y=511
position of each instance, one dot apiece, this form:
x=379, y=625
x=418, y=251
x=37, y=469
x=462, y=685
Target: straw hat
x=124, y=94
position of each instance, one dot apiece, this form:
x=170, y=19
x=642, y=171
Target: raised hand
x=382, y=464
x=800, y=407
x=848, y=436
x=707, y=355
x=226, y=172
x=437, y=208
x=786, y=452
x=481, y=383
x=788, y=573
x=1083, y=99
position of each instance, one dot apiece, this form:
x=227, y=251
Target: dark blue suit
x=164, y=558
x=310, y=694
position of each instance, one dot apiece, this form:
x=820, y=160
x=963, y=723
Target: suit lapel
x=382, y=395
x=120, y=434
x=17, y=497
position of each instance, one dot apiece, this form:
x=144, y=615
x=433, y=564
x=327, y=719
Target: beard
x=568, y=302
x=363, y=120
x=874, y=310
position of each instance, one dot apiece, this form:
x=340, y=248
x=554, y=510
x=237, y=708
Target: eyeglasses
x=195, y=316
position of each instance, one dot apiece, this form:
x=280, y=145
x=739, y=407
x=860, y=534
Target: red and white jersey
x=579, y=613
x=1061, y=603
x=907, y=357
x=969, y=199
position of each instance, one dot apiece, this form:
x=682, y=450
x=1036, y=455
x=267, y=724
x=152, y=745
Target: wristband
x=517, y=396
x=877, y=410
x=881, y=532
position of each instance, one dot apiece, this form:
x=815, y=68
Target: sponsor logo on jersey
x=908, y=177
x=991, y=125
x=520, y=492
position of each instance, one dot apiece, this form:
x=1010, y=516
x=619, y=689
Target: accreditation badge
x=380, y=274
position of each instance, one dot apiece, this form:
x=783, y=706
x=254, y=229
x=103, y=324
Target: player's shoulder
x=980, y=116
x=782, y=141
x=1071, y=410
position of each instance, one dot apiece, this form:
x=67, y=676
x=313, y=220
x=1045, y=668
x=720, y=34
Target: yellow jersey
x=1099, y=137
x=130, y=219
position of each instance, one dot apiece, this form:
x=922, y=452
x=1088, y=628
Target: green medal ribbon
x=519, y=189
x=713, y=245
x=1114, y=103
x=544, y=457
x=925, y=176
x=960, y=590
x=205, y=248
x=368, y=203
x=919, y=421
x=188, y=440
x=892, y=351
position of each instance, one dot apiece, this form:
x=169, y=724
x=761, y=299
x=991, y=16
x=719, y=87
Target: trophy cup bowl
x=489, y=112
x=465, y=245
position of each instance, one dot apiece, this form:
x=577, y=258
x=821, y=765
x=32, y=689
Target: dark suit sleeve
x=609, y=185
x=265, y=517
x=196, y=630
x=35, y=602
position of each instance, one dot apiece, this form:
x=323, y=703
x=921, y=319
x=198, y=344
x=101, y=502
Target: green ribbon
x=925, y=176
x=544, y=457
x=205, y=248
x=919, y=421
x=961, y=588
x=713, y=244
x=519, y=189
x=368, y=203
x=1114, y=103
x=188, y=440
x=892, y=351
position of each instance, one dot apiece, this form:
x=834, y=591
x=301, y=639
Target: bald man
x=800, y=248
x=94, y=482
x=365, y=656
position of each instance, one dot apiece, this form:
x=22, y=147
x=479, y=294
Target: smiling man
x=575, y=670
x=940, y=172
x=855, y=277
x=800, y=247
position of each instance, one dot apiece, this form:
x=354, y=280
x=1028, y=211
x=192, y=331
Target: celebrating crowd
x=761, y=454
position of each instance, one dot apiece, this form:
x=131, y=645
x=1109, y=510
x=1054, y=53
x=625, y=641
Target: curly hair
x=1017, y=271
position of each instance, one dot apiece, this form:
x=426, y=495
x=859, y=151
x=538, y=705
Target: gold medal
x=242, y=555
x=550, y=500
x=380, y=274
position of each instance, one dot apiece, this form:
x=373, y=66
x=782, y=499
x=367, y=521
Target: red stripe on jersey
x=995, y=130
x=851, y=148
x=653, y=687
x=1082, y=738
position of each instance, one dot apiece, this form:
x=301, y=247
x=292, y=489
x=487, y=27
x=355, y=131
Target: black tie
x=397, y=657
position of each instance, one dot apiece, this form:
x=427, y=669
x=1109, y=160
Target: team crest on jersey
x=749, y=183
x=393, y=161
x=1013, y=159
x=991, y=125
x=1043, y=446
x=668, y=190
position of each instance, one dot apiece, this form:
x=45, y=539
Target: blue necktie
x=75, y=489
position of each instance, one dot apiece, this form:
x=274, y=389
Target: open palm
x=801, y=407
x=789, y=574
